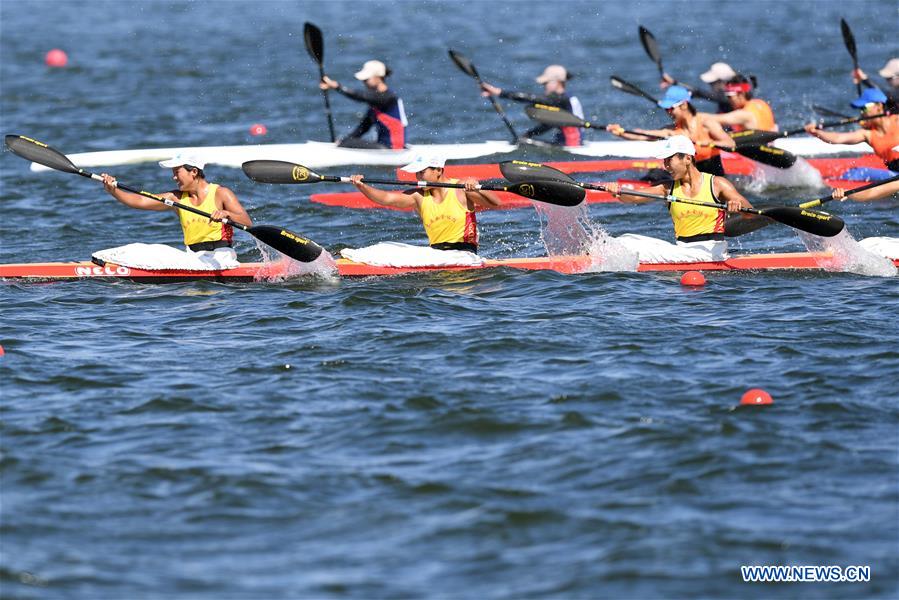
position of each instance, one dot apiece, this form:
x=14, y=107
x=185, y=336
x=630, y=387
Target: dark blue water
x=498, y=434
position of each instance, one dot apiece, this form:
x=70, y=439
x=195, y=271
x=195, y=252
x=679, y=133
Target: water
x=496, y=434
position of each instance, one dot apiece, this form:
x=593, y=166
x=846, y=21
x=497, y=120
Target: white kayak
x=316, y=155
x=801, y=146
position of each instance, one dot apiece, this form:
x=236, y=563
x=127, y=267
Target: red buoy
x=692, y=278
x=756, y=396
x=258, y=129
x=56, y=58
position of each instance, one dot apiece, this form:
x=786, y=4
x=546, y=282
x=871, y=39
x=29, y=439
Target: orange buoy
x=258, y=129
x=756, y=396
x=56, y=58
x=692, y=278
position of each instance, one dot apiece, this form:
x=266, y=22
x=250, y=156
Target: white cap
x=553, y=73
x=423, y=162
x=181, y=159
x=372, y=68
x=718, y=72
x=676, y=144
x=891, y=69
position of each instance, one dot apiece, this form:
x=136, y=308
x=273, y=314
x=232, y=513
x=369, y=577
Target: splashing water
x=848, y=255
x=568, y=231
x=801, y=174
x=278, y=267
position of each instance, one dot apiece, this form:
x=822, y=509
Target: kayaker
x=447, y=213
x=206, y=236
x=746, y=112
x=702, y=131
x=385, y=109
x=890, y=72
x=716, y=77
x=699, y=230
x=554, y=80
x=881, y=134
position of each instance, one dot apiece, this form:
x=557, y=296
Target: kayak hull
x=62, y=271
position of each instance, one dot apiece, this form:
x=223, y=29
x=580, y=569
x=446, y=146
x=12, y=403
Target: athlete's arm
x=136, y=200
x=717, y=133
x=231, y=208
x=621, y=193
x=384, y=198
x=725, y=190
x=476, y=196
x=838, y=137
x=740, y=117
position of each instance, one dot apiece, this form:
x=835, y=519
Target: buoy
x=692, y=278
x=756, y=396
x=1, y=351
x=258, y=129
x=56, y=58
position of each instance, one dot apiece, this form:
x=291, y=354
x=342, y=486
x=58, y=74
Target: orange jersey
x=885, y=144
x=764, y=116
x=700, y=137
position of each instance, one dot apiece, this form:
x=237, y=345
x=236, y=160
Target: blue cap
x=674, y=96
x=868, y=96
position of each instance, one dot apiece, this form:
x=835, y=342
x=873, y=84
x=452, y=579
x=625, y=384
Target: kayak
x=317, y=155
x=63, y=271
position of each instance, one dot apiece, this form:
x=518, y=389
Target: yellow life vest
x=691, y=220
x=199, y=229
x=448, y=221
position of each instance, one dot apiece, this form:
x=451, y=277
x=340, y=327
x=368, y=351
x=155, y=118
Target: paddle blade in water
x=520, y=170
x=286, y=242
x=738, y=225
x=279, y=171
x=314, y=43
x=550, y=191
x=40, y=153
x=813, y=221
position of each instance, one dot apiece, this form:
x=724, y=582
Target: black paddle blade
x=652, y=47
x=551, y=191
x=464, y=64
x=315, y=45
x=768, y=155
x=849, y=41
x=279, y=171
x=629, y=88
x=754, y=137
x=737, y=225
x=519, y=170
x=813, y=221
x=555, y=116
x=40, y=153
x=286, y=242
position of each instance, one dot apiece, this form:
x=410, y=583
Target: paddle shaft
x=321, y=72
x=420, y=184
x=469, y=69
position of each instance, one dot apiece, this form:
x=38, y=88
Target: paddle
x=734, y=226
x=469, y=69
x=549, y=191
x=754, y=137
x=764, y=154
x=315, y=45
x=282, y=240
x=816, y=222
x=849, y=41
x=652, y=49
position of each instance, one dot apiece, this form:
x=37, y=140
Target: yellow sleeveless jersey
x=199, y=229
x=448, y=221
x=689, y=219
